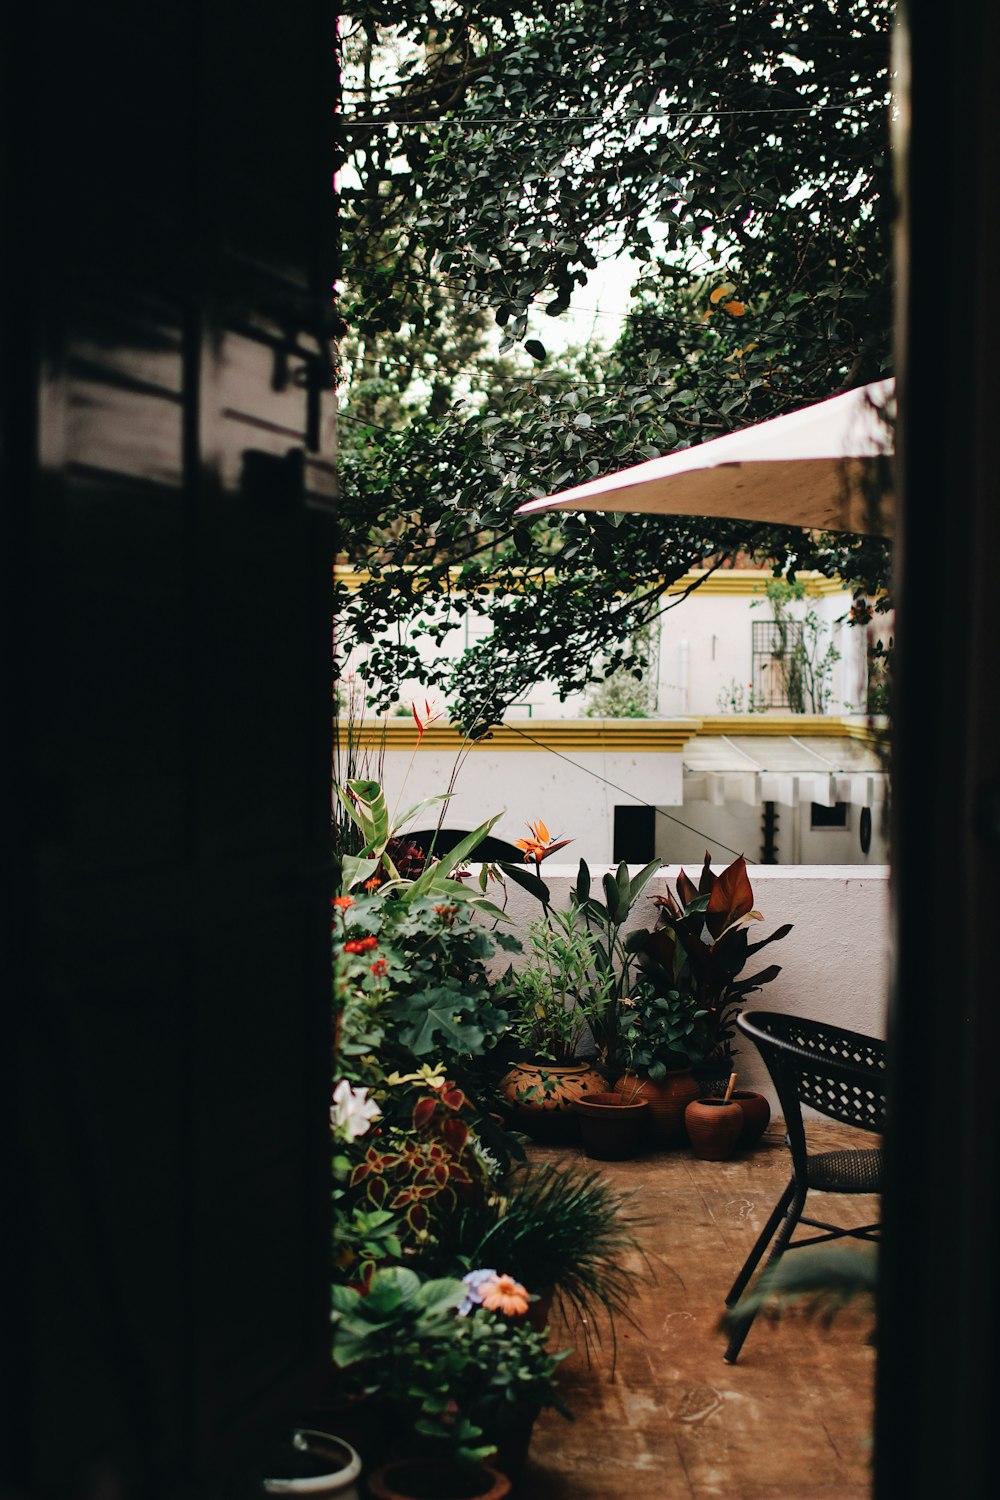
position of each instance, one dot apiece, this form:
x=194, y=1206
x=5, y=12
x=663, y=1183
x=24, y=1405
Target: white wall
x=834, y=962
x=526, y=785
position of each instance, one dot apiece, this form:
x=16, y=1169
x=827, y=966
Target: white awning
x=780, y=768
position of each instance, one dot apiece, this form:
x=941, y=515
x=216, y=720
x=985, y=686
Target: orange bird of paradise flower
x=540, y=845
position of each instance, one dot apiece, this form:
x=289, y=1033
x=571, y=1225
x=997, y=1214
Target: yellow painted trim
x=606, y=736
x=726, y=582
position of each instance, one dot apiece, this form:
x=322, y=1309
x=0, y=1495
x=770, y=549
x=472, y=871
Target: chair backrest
x=836, y=1072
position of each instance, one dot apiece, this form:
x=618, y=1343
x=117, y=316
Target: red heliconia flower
x=430, y=715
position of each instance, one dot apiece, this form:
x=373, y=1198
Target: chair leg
x=792, y=1214
x=760, y=1245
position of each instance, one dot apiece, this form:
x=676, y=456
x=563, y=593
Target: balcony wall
x=834, y=962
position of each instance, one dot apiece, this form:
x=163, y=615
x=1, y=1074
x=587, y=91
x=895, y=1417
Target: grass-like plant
x=559, y=1228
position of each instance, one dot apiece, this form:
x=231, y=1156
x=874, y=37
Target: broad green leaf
x=640, y=881
x=356, y=870
x=527, y=880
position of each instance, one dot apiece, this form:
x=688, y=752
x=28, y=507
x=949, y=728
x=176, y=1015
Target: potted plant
x=612, y=960
x=663, y=1036
x=613, y=1126
x=455, y=1369
x=701, y=940
x=562, y=1231
x=555, y=1003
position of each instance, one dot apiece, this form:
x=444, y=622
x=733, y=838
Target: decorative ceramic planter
x=611, y=1128
x=433, y=1479
x=319, y=1464
x=540, y=1097
x=667, y=1102
x=756, y=1117
x=713, y=1128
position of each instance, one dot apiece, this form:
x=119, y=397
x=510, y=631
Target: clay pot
x=713, y=1127
x=611, y=1128
x=436, y=1479
x=756, y=1117
x=319, y=1465
x=541, y=1095
x=667, y=1102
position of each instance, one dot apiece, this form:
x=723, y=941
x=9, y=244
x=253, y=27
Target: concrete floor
x=792, y=1420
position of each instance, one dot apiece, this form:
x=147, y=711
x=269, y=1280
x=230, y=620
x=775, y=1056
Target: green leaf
x=640, y=881
x=527, y=880
x=535, y=348
x=356, y=871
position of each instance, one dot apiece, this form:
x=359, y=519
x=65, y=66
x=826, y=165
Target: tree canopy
x=493, y=155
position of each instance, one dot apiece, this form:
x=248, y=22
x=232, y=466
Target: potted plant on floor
x=554, y=1005
x=663, y=1034
x=564, y=1232
x=454, y=1368
x=701, y=941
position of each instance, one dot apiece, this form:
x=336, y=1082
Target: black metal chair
x=837, y=1073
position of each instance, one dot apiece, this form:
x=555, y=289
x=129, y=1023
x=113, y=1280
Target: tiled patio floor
x=790, y=1421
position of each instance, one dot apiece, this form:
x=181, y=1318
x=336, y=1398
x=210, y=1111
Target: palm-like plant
x=702, y=933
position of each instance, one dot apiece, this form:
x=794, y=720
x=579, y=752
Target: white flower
x=352, y=1112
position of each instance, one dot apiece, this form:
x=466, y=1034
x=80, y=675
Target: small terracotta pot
x=612, y=1128
x=713, y=1128
x=432, y=1479
x=756, y=1117
x=667, y=1099
x=540, y=1096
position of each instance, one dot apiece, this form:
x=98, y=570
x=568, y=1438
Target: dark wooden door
x=168, y=491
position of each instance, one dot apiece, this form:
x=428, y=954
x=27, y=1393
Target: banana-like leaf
x=356, y=870
x=582, y=892
x=527, y=881
x=640, y=882
x=365, y=803
x=611, y=896
x=731, y=897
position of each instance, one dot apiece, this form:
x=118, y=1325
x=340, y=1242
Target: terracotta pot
x=319, y=1465
x=540, y=1096
x=436, y=1479
x=612, y=1128
x=513, y=1445
x=667, y=1101
x=713, y=1127
x=756, y=1117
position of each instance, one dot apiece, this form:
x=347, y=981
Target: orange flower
x=343, y=902
x=505, y=1295
x=539, y=846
